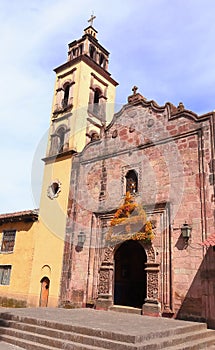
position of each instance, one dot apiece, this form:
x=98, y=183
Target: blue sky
x=164, y=47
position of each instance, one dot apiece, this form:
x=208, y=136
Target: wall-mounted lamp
x=186, y=231
x=81, y=239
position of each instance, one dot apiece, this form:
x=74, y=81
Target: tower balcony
x=63, y=106
x=97, y=110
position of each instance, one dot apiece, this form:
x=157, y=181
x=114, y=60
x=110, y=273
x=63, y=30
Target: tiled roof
x=26, y=215
x=210, y=241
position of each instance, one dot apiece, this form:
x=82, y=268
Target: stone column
x=59, y=98
x=152, y=306
x=105, y=287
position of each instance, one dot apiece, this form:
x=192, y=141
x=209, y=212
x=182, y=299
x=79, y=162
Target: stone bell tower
x=83, y=102
x=84, y=94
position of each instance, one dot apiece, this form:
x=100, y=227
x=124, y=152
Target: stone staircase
x=42, y=334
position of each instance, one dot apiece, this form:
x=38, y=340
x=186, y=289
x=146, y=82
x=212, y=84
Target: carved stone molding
x=150, y=252
x=108, y=255
x=105, y=286
x=152, y=305
x=152, y=270
x=104, y=282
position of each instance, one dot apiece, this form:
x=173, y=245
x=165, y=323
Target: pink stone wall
x=173, y=155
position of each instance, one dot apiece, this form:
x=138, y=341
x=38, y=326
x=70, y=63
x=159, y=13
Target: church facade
x=127, y=203
x=163, y=156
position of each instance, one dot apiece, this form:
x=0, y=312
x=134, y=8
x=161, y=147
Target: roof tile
x=210, y=241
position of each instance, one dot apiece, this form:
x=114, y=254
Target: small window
x=66, y=96
x=61, y=138
x=92, y=51
x=74, y=52
x=5, y=271
x=81, y=49
x=8, y=241
x=54, y=189
x=101, y=59
x=97, y=95
x=131, y=181
x=96, y=107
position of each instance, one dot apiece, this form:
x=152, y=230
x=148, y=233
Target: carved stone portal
x=106, y=281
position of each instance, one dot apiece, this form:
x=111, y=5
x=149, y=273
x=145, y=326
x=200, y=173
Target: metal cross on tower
x=134, y=89
x=91, y=19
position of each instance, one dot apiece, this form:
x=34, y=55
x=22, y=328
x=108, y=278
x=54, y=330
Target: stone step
x=208, y=344
x=96, y=330
x=7, y=346
x=58, y=338
x=126, y=309
x=180, y=341
x=22, y=322
x=24, y=343
x=51, y=342
x=54, y=337
x=26, y=322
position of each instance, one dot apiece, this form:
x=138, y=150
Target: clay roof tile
x=210, y=241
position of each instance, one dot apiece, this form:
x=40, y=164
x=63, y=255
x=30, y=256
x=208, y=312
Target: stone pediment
x=142, y=123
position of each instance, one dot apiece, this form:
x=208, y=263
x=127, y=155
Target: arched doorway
x=44, y=293
x=130, y=275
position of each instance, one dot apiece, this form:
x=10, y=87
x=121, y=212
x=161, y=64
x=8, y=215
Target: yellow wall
x=81, y=99
x=47, y=263
x=21, y=259
x=53, y=211
x=49, y=244
x=81, y=90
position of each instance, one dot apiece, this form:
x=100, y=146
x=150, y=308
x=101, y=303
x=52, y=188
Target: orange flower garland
x=130, y=213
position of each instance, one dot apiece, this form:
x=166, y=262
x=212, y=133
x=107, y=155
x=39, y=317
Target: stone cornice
x=85, y=58
x=133, y=148
x=173, y=111
x=56, y=157
x=92, y=39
